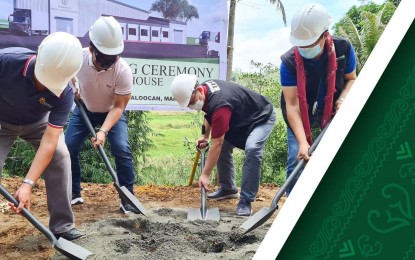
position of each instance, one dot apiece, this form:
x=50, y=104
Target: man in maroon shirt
x=235, y=117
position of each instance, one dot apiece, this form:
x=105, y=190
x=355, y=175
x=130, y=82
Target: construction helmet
x=59, y=58
x=308, y=24
x=182, y=88
x=106, y=35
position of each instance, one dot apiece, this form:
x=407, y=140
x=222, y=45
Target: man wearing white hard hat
x=105, y=86
x=235, y=117
x=35, y=102
x=316, y=75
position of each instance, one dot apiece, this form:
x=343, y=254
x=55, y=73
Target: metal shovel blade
x=128, y=197
x=203, y=213
x=258, y=219
x=71, y=250
x=210, y=214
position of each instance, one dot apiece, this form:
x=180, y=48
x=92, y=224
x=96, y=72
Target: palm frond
x=280, y=7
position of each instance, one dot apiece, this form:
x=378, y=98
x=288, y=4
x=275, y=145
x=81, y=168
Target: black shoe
x=70, y=235
x=127, y=208
x=223, y=194
x=244, y=208
x=76, y=199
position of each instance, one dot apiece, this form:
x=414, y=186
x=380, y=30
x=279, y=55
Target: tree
x=177, y=10
x=231, y=26
x=364, y=31
x=354, y=14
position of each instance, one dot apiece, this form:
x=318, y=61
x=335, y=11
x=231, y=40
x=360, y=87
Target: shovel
x=203, y=213
x=264, y=214
x=124, y=193
x=65, y=247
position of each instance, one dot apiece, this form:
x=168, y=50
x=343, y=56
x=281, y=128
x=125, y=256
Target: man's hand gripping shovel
x=203, y=213
x=124, y=193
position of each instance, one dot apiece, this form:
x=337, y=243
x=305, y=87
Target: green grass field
x=4, y=24
x=172, y=130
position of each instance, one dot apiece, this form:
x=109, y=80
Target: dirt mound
x=164, y=234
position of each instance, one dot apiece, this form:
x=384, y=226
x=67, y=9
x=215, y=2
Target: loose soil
x=164, y=234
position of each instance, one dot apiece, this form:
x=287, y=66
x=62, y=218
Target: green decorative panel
x=364, y=207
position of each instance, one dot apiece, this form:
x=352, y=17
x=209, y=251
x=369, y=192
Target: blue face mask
x=310, y=53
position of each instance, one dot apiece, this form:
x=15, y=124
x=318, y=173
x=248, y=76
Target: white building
x=76, y=17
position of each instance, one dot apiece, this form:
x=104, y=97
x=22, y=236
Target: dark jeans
x=75, y=136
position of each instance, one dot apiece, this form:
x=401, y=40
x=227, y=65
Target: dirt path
x=164, y=234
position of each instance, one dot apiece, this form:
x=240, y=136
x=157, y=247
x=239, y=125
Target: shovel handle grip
x=100, y=148
x=29, y=216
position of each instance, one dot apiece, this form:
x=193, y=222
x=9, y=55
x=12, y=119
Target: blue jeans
x=293, y=148
x=75, y=135
x=251, y=170
x=291, y=158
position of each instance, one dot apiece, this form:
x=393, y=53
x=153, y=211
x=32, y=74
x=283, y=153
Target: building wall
x=81, y=14
x=38, y=5
x=90, y=10
x=177, y=33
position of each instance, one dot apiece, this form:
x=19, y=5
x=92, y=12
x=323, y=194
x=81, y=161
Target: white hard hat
x=106, y=35
x=308, y=24
x=182, y=88
x=59, y=58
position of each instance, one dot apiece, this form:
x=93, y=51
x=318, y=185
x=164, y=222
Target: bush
x=265, y=80
x=92, y=166
x=19, y=158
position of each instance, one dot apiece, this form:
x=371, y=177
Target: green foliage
x=395, y=2
x=363, y=26
x=265, y=80
x=19, y=158
x=92, y=166
x=354, y=14
x=175, y=9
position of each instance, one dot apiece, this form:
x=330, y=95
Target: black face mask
x=103, y=60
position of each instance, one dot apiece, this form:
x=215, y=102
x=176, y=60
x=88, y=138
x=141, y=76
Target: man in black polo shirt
x=235, y=117
x=35, y=102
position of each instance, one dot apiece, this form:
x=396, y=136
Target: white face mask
x=198, y=105
x=310, y=53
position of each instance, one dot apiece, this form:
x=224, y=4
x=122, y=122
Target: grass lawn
x=4, y=24
x=172, y=129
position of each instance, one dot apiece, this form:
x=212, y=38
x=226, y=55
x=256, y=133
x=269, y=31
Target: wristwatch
x=30, y=182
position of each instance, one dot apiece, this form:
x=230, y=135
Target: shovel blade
x=194, y=214
x=258, y=219
x=71, y=250
x=212, y=214
x=128, y=197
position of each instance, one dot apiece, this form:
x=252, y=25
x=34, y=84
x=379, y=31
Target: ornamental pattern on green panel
x=364, y=207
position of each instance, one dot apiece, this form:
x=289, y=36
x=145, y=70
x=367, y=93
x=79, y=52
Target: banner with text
x=160, y=41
